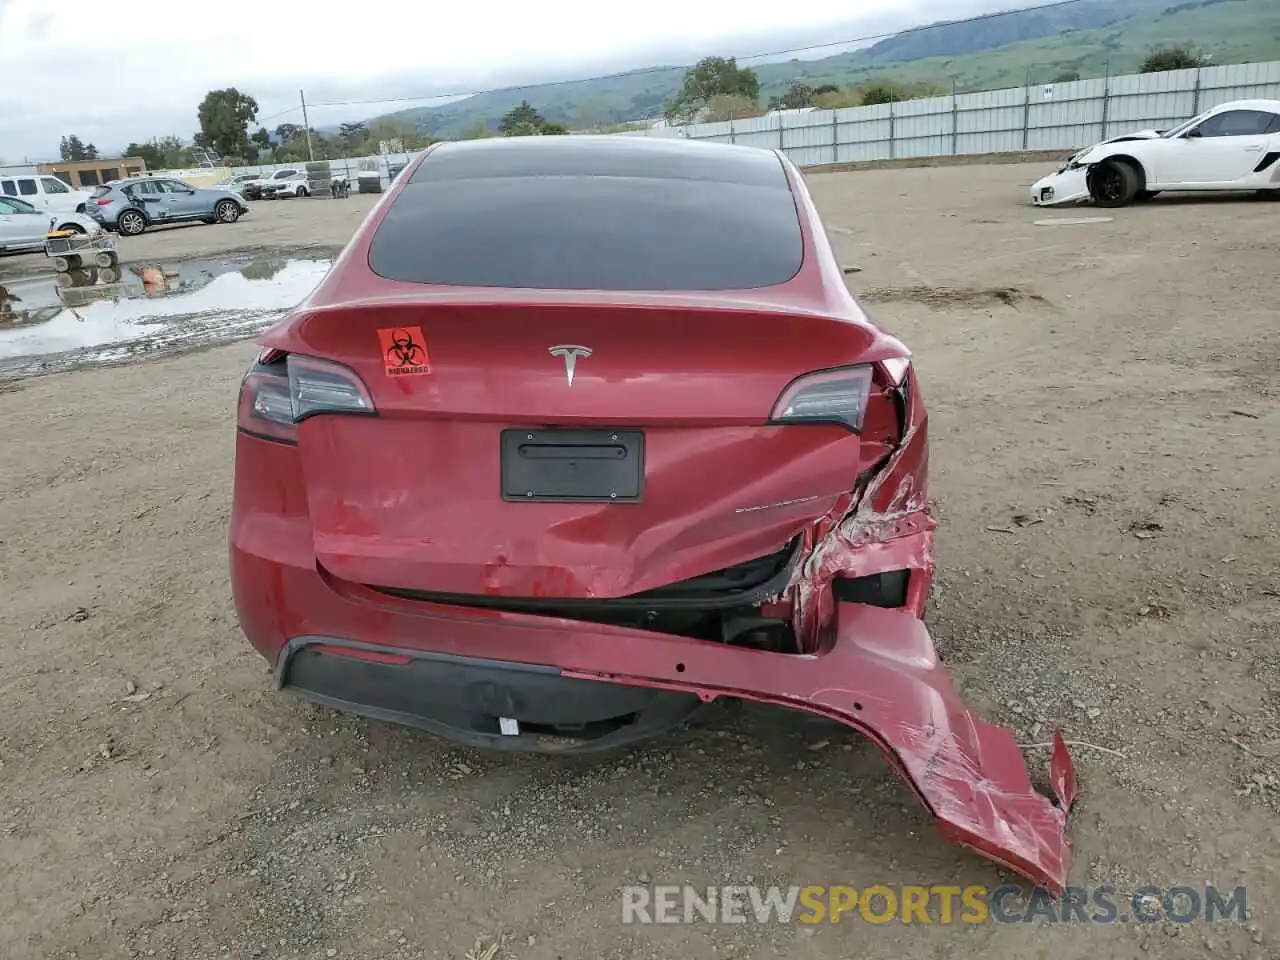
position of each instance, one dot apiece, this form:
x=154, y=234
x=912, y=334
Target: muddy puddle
x=54, y=321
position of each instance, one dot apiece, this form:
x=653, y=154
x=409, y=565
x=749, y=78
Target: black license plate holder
x=573, y=466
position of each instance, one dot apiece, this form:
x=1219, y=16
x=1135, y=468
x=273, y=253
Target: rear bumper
x=877, y=672
x=470, y=701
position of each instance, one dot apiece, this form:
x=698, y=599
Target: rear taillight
x=869, y=399
x=837, y=396
x=103, y=201
x=279, y=392
x=319, y=386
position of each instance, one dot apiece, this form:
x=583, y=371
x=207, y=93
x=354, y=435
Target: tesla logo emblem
x=571, y=354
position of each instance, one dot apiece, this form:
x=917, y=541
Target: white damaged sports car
x=1235, y=146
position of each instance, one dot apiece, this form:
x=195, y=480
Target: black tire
x=1145, y=195
x=302, y=192
x=73, y=227
x=226, y=211
x=1114, y=183
x=80, y=208
x=131, y=223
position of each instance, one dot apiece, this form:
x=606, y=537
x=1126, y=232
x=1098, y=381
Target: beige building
x=92, y=173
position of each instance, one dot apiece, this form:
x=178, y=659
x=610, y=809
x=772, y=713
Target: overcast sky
x=111, y=74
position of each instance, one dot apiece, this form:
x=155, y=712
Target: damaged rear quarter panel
x=886, y=525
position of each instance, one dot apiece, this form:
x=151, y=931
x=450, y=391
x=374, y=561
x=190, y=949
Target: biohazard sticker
x=404, y=351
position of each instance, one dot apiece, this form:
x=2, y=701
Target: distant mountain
x=950, y=39
x=1088, y=37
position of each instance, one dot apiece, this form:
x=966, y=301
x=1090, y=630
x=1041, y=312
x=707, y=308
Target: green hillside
x=980, y=55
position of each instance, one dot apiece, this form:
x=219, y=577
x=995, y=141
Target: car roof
x=1271, y=106
x=701, y=217
x=603, y=156
x=139, y=179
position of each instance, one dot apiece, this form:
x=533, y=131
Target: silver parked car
x=130, y=206
x=235, y=183
x=23, y=227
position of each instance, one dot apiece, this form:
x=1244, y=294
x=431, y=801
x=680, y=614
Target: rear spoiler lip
x=881, y=345
x=399, y=294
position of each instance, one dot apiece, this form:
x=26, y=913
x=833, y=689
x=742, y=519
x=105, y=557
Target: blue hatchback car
x=130, y=206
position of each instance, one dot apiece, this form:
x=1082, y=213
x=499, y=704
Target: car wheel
x=73, y=227
x=302, y=192
x=80, y=208
x=227, y=211
x=1114, y=183
x=131, y=223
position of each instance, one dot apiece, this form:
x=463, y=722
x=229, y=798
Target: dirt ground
x=1106, y=444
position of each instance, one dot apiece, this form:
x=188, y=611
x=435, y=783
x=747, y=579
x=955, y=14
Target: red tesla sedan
x=581, y=432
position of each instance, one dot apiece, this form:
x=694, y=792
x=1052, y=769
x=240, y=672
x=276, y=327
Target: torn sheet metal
x=880, y=675
x=871, y=668
x=887, y=526
x=878, y=672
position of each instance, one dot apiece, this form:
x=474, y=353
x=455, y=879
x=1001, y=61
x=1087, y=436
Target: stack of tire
x=319, y=174
x=369, y=178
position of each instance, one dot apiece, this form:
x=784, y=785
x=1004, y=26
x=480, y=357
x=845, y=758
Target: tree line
x=717, y=89
x=227, y=116
x=714, y=89
x=226, y=119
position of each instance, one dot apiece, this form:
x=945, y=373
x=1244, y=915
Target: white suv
x=44, y=193
x=285, y=183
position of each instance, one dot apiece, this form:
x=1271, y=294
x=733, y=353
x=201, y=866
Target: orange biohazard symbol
x=404, y=351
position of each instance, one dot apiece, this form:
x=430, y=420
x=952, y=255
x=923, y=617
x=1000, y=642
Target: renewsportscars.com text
x=935, y=904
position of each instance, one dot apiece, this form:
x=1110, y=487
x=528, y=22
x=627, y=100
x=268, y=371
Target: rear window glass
x=100, y=192
x=590, y=216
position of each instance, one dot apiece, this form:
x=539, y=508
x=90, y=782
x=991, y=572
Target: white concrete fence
x=1051, y=116
x=1054, y=116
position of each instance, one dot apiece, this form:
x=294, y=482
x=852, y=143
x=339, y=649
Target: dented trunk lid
x=414, y=498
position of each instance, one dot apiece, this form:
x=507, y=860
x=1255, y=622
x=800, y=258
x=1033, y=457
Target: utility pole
x=306, y=125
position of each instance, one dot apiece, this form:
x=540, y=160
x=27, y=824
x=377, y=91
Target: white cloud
x=111, y=75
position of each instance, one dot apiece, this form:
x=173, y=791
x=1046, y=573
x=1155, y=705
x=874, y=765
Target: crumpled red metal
x=880, y=675
x=872, y=668
x=876, y=670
